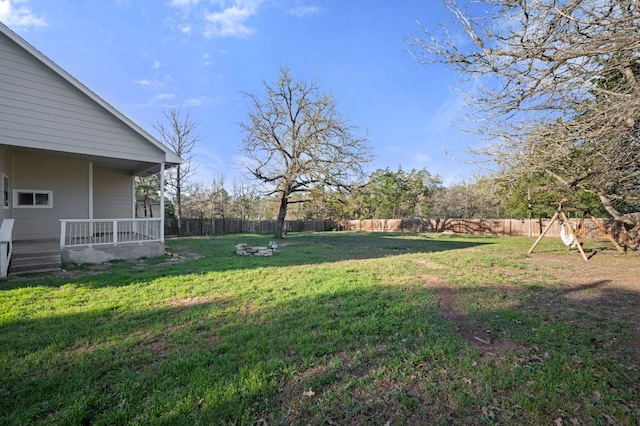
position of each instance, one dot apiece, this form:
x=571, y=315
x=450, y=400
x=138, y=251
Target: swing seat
x=567, y=237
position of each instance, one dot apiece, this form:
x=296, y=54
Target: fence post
x=115, y=232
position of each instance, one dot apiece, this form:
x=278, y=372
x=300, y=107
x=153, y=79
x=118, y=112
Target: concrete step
x=37, y=254
x=35, y=262
x=33, y=270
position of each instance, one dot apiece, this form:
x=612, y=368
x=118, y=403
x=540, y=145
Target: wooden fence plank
x=501, y=227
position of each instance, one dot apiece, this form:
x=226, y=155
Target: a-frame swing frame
x=562, y=215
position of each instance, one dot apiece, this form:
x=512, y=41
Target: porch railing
x=83, y=232
x=6, y=246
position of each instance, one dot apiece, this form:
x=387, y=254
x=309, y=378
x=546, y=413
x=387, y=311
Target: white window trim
x=5, y=203
x=33, y=191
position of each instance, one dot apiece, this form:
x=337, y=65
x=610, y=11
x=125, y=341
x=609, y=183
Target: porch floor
x=36, y=246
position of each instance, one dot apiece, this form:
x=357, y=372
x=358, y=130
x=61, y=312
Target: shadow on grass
x=204, y=361
x=217, y=254
x=360, y=355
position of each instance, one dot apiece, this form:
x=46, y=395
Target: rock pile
x=243, y=249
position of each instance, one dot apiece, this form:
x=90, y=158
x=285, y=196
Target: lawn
x=335, y=328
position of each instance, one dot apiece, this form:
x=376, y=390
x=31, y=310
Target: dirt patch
x=428, y=263
x=606, y=288
x=190, y=301
x=623, y=270
x=178, y=254
x=483, y=340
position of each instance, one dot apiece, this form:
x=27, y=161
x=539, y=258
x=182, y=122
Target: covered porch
x=82, y=210
x=82, y=241
x=76, y=207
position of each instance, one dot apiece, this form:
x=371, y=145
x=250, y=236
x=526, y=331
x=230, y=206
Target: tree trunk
x=606, y=203
x=628, y=235
x=628, y=227
x=282, y=213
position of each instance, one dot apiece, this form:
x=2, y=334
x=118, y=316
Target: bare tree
x=219, y=198
x=478, y=199
x=556, y=84
x=245, y=200
x=147, y=192
x=197, y=203
x=179, y=133
x=296, y=140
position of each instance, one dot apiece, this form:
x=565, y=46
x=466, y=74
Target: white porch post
x=91, y=225
x=90, y=190
x=63, y=233
x=133, y=195
x=162, y=202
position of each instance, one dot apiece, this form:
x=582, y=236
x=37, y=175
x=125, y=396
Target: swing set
x=568, y=234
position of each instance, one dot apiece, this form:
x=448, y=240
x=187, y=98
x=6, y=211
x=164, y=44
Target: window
x=5, y=191
x=32, y=198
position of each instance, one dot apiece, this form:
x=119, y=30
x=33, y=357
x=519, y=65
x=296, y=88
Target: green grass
x=336, y=328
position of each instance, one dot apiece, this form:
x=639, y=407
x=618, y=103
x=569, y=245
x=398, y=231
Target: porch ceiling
x=137, y=168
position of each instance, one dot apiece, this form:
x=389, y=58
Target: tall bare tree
x=245, y=200
x=197, y=203
x=147, y=192
x=219, y=197
x=179, y=133
x=556, y=84
x=295, y=139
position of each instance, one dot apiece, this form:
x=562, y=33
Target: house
x=67, y=164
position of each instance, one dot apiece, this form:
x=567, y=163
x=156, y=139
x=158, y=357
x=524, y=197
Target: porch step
x=45, y=261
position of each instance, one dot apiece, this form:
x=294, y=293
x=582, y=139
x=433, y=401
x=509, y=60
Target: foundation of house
x=101, y=254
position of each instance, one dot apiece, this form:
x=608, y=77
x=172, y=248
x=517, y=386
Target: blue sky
x=145, y=55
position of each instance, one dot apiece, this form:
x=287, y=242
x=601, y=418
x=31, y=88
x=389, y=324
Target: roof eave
x=170, y=156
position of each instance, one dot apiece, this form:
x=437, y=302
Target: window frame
x=5, y=192
x=34, y=193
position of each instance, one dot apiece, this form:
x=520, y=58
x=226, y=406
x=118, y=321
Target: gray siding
x=112, y=194
x=40, y=109
x=68, y=178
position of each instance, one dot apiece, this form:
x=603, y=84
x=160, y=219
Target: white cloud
x=231, y=21
x=14, y=15
x=200, y=101
x=194, y=102
x=183, y=3
x=163, y=96
x=143, y=82
x=151, y=83
x=223, y=18
x=157, y=64
x=301, y=11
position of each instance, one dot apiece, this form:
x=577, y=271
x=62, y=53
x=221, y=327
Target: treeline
x=387, y=194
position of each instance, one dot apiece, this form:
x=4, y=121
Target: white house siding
x=67, y=178
x=40, y=109
x=112, y=194
x=5, y=168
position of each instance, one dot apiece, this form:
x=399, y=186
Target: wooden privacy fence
x=192, y=227
x=505, y=227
